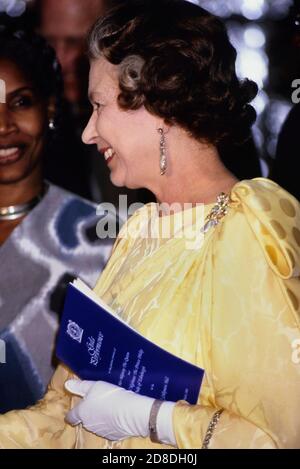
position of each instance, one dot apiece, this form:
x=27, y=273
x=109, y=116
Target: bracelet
x=153, y=420
x=211, y=427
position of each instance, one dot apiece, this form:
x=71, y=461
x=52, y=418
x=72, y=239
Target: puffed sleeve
x=253, y=298
x=43, y=425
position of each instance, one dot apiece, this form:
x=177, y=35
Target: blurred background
x=265, y=34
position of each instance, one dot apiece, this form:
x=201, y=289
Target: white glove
x=112, y=412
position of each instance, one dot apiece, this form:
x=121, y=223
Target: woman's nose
x=89, y=135
x=6, y=123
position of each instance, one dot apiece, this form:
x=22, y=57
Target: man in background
x=71, y=164
x=65, y=24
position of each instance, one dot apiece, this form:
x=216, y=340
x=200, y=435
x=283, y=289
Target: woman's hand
x=112, y=412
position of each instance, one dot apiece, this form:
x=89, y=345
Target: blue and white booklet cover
x=98, y=345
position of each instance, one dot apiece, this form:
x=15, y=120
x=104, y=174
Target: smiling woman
x=41, y=225
x=23, y=124
x=165, y=94
x=32, y=96
x=120, y=132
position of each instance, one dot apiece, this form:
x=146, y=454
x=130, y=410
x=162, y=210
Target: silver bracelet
x=153, y=420
x=211, y=427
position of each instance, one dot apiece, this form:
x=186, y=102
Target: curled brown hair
x=175, y=59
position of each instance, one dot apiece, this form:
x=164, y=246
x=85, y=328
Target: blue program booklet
x=96, y=344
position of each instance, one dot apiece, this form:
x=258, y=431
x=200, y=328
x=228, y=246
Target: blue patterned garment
x=56, y=242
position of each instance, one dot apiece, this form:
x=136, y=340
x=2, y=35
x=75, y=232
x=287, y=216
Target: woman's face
x=23, y=121
x=128, y=140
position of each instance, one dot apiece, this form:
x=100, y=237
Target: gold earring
x=162, y=152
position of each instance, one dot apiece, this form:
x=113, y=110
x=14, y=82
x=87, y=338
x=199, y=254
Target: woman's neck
x=22, y=191
x=18, y=193
x=195, y=175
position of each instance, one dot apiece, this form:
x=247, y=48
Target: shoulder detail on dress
x=274, y=217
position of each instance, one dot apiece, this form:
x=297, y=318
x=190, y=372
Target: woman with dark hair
x=44, y=230
x=209, y=273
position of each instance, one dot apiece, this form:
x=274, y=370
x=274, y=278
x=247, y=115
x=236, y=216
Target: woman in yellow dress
x=215, y=282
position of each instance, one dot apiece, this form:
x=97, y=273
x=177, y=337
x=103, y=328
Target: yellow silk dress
x=230, y=306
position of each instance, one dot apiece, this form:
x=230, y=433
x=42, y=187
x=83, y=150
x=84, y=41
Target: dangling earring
x=51, y=124
x=162, y=152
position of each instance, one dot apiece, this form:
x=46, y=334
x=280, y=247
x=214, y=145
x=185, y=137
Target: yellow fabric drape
x=230, y=306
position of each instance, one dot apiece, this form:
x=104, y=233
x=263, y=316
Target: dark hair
x=35, y=58
x=175, y=58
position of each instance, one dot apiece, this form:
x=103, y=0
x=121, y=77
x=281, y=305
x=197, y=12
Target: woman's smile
x=11, y=154
x=108, y=154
